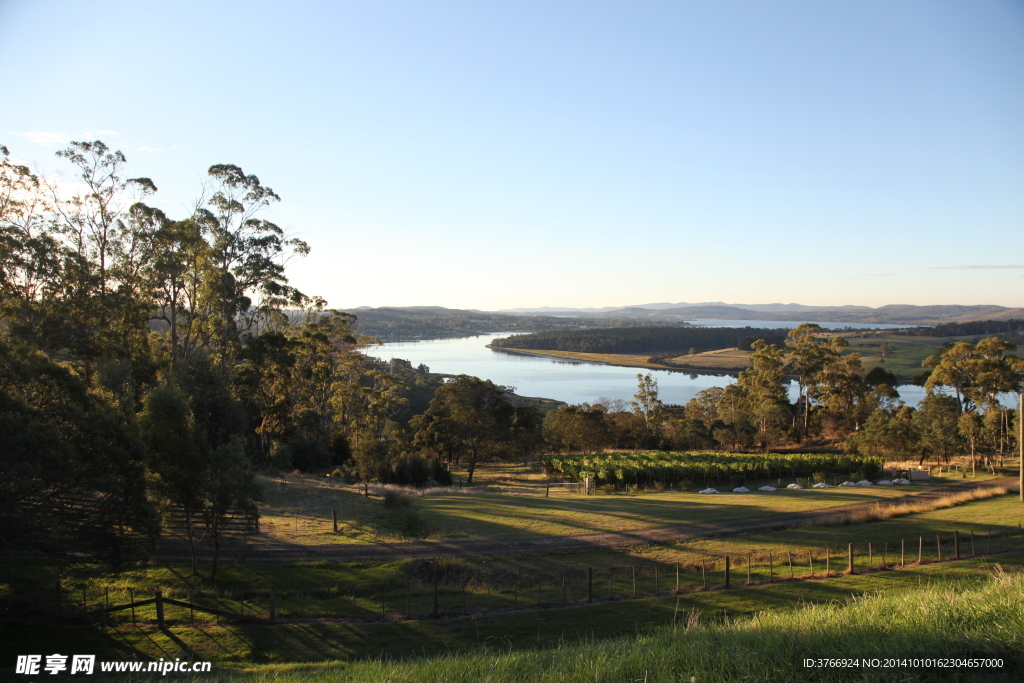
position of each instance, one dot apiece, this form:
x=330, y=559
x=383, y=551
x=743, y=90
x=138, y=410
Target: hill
x=892, y=314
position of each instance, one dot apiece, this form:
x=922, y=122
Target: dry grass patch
x=880, y=511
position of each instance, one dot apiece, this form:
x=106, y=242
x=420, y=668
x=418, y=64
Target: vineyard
x=682, y=469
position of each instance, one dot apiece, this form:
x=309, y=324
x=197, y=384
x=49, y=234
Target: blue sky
x=504, y=154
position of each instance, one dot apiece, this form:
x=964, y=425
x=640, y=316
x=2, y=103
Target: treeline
x=434, y=322
x=837, y=403
x=642, y=339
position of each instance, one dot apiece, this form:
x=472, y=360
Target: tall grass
x=880, y=511
x=985, y=619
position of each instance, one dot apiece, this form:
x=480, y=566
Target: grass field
x=979, y=618
x=528, y=606
x=624, y=359
x=907, y=352
x=508, y=501
x=718, y=360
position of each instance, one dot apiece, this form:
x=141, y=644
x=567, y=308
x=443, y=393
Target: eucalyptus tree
x=581, y=428
x=478, y=415
x=806, y=359
x=177, y=275
x=762, y=386
x=838, y=385
x=32, y=294
x=100, y=241
x=956, y=368
x=247, y=254
x=647, y=406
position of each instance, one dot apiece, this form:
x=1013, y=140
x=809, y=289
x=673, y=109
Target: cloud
x=45, y=138
x=983, y=267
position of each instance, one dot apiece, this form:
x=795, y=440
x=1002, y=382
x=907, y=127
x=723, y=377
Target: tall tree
x=647, y=406
x=807, y=358
x=477, y=412
x=247, y=254
x=93, y=222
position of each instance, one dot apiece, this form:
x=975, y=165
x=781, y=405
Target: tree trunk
x=190, y=529
x=472, y=466
x=215, y=532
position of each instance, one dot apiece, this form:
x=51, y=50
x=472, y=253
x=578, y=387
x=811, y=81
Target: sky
x=551, y=153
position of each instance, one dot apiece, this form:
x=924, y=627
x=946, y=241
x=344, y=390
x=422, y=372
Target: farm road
x=269, y=551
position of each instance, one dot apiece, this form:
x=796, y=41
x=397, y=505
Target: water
x=563, y=380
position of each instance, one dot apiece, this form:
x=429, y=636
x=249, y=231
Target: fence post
x=334, y=518
x=131, y=598
x=704, y=574
x=903, y=551
x=849, y=550
x=657, y=586
x=828, y=562
x=871, y=554
x=159, y=609
x=790, y=563
x=634, y=581
x=885, y=554
x=748, y=569
x=956, y=544
x=938, y=547
x=590, y=584
x=810, y=562
x=726, y=571
x=547, y=490
x=771, y=568
x=563, y=588
x=920, y=549
x=677, y=577
x=973, y=552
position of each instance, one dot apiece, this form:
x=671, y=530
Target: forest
x=645, y=339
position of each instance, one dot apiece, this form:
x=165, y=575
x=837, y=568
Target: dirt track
x=268, y=551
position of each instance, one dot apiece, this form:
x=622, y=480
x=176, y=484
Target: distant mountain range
x=897, y=314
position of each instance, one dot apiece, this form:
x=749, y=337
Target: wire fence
x=434, y=589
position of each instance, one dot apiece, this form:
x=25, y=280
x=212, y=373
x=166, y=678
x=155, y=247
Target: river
x=563, y=380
